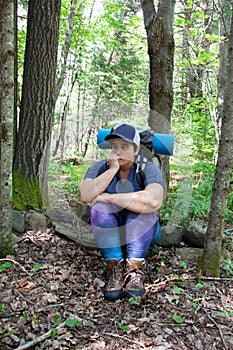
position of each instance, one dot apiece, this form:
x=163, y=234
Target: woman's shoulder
x=97, y=168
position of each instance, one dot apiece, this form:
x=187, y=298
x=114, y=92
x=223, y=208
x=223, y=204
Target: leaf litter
x=52, y=298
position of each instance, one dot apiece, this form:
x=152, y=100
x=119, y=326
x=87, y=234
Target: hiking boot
x=114, y=287
x=134, y=277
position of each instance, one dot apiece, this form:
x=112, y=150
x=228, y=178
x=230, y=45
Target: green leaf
x=124, y=327
x=57, y=320
x=2, y=309
x=37, y=267
x=195, y=305
x=199, y=285
x=221, y=313
x=183, y=264
x=177, y=290
x=35, y=320
x=71, y=322
x=132, y=301
x=177, y=319
x=5, y=266
x=53, y=332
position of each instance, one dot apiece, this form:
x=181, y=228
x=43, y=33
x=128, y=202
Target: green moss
x=210, y=263
x=26, y=193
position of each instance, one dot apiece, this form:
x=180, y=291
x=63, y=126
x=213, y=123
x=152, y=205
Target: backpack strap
x=141, y=162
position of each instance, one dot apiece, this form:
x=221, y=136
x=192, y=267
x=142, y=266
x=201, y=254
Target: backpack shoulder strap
x=141, y=162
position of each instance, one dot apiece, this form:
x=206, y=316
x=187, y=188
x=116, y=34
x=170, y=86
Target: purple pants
x=114, y=227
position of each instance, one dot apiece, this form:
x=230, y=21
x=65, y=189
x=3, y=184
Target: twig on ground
x=16, y=263
x=39, y=339
x=23, y=297
x=30, y=239
x=125, y=338
x=219, y=329
x=218, y=279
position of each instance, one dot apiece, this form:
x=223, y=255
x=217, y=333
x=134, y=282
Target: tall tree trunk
x=15, y=74
x=6, y=122
x=66, y=48
x=37, y=105
x=211, y=260
x=224, y=29
x=160, y=40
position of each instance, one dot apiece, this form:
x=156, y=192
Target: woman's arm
x=146, y=201
x=91, y=188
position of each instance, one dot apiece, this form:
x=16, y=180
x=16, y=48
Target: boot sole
x=113, y=295
x=134, y=293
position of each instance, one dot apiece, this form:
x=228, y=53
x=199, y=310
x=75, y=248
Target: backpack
x=146, y=152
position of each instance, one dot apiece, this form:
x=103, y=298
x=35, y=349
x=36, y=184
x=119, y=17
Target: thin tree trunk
x=6, y=122
x=159, y=29
x=211, y=260
x=15, y=125
x=65, y=49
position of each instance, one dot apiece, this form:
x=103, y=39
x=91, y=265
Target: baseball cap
x=126, y=132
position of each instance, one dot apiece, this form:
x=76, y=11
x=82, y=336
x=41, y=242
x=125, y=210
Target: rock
x=194, y=233
x=17, y=222
x=14, y=238
x=189, y=254
x=170, y=239
x=38, y=222
x=65, y=223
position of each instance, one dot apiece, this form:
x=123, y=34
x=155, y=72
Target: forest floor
x=51, y=297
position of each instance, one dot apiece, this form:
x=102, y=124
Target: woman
x=123, y=212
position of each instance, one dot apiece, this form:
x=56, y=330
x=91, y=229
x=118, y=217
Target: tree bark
x=211, y=260
x=6, y=120
x=160, y=40
x=37, y=105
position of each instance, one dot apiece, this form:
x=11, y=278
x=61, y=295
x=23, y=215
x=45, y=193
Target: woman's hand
x=112, y=160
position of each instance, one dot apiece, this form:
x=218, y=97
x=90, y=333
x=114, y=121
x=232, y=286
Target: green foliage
x=183, y=264
x=176, y=290
x=57, y=320
x=123, y=327
x=229, y=266
x=132, y=301
x=71, y=322
x=195, y=305
x=177, y=318
x=66, y=177
x=193, y=121
x=202, y=176
x=37, y=267
x=5, y=266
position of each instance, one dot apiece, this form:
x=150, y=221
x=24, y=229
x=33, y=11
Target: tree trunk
x=159, y=29
x=224, y=29
x=6, y=119
x=37, y=105
x=66, y=48
x=211, y=260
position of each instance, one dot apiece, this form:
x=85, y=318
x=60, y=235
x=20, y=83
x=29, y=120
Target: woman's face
x=125, y=151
